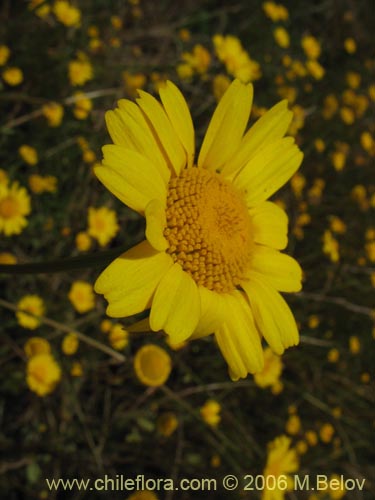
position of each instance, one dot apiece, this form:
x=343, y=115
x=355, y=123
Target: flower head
x=43, y=373
x=102, y=224
x=14, y=206
x=152, y=365
x=81, y=296
x=30, y=307
x=211, y=260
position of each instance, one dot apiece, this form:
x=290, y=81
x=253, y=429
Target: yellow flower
x=367, y=142
x=54, y=113
x=293, y=425
x=237, y=61
x=210, y=412
x=211, y=261
x=350, y=45
x=7, y=258
x=81, y=296
x=102, y=224
x=76, y=369
x=118, y=337
x=70, y=344
x=347, y=115
x=313, y=321
x=281, y=37
x=152, y=365
x=276, y=12
x=333, y=355
x=4, y=54
x=116, y=22
x=184, y=71
x=41, y=11
x=199, y=59
x=12, y=76
x=143, y=495
x=353, y=79
x=315, y=69
x=220, y=84
x=337, y=225
x=83, y=106
x=271, y=372
x=354, y=344
x=28, y=154
x=326, y=432
x=30, y=304
x=43, y=374
x=311, y=47
x=80, y=72
x=281, y=461
x=83, y=241
x=36, y=345
x=311, y=438
x=166, y=424
x=39, y=184
x=14, y=206
x=66, y=13
x=133, y=82
x=331, y=246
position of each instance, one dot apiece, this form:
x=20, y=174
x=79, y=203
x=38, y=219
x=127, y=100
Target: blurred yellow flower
x=30, y=304
x=333, y=355
x=311, y=47
x=54, y=113
x=69, y=344
x=76, y=369
x=281, y=37
x=12, y=76
x=330, y=246
x=311, y=437
x=66, y=13
x=7, y=258
x=354, y=344
x=152, y=365
x=4, y=54
x=166, y=424
x=102, y=224
x=28, y=154
x=315, y=69
x=276, y=12
x=237, y=61
x=326, y=432
x=83, y=241
x=353, y=79
x=350, y=45
x=80, y=72
x=281, y=461
x=220, y=84
x=39, y=184
x=43, y=374
x=143, y=495
x=133, y=82
x=81, y=296
x=293, y=425
x=210, y=412
x=199, y=59
x=36, y=345
x=273, y=367
x=118, y=337
x=14, y=206
x=82, y=106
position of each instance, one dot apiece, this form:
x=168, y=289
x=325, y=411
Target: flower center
x=8, y=207
x=208, y=229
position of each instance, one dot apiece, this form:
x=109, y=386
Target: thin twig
x=340, y=301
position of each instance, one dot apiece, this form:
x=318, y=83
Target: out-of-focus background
x=72, y=404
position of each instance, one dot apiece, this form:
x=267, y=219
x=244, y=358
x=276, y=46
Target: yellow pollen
x=8, y=207
x=208, y=229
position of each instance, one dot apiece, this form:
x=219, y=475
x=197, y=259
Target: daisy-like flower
x=14, y=207
x=211, y=260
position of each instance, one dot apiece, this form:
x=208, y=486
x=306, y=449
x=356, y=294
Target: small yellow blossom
x=313, y=321
x=319, y=145
x=337, y=225
x=89, y=156
x=152, y=365
x=133, y=82
x=36, y=345
x=330, y=106
x=184, y=35
x=28, y=154
x=353, y=79
x=326, y=432
x=301, y=447
x=293, y=425
x=70, y=344
x=199, y=59
x=275, y=12
x=7, y=258
x=76, y=369
x=29, y=308
x=54, y=113
x=331, y=246
x=367, y=141
x=81, y=296
x=338, y=160
x=116, y=22
x=106, y=325
x=14, y=207
x=102, y=224
x=311, y=47
x=43, y=374
x=82, y=106
x=4, y=54
x=350, y=45
x=281, y=37
x=118, y=337
x=12, y=76
x=333, y=355
x=80, y=72
x=311, y=438
x=210, y=412
x=370, y=251
x=83, y=241
x=298, y=183
x=220, y=84
x=315, y=69
x=272, y=370
x=166, y=424
x=354, y=344
x=347, y=115
x=39, y=184
x=66, y=13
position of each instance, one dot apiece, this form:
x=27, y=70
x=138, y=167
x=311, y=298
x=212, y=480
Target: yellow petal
x=279, y=270
x=269, y=128
x=156, y=222
x=268, y=170
x=176, y=305
x=227, y=126
x=128, y=128
x=270, y=225
x=238, y=337
x=131, y=177
x=163, y=131
x=212, y=313
x=272, y=315
x=179, y=115
x=129, y=282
